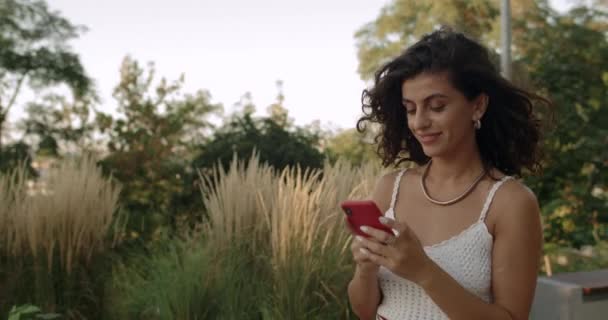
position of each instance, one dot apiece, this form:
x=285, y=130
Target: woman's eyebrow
x=427, y=99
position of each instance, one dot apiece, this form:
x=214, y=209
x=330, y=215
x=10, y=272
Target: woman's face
x=439, y=116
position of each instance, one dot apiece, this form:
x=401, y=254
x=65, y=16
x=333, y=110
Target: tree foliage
x=34, y=49
x=150, y=144
x=274, y=138
x=574, y=186
x=34, y=52
x=352, y=146
x=55, y=125
x=402, y=22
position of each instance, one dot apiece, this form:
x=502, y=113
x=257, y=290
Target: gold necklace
x=452, y=201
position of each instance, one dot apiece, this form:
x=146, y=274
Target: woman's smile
x=428, y=138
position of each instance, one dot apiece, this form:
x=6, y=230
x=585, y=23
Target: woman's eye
x=438, y=108
x=409, y=108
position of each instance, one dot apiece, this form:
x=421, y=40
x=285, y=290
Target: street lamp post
x=505, y=30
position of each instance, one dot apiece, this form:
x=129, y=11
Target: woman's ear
x=480, y=105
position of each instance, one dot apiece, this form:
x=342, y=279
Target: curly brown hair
x=510, y=135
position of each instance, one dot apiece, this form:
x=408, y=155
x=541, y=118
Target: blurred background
x=186, y=159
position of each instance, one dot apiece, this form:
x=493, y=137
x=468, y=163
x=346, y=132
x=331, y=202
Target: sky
x=231, y=47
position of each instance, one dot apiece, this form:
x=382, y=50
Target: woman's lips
x=428, y=138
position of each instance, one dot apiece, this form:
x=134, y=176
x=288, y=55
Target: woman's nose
x=420, y=120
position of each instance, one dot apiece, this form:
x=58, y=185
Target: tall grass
x=53, y=234
x=13, y=199
x=274, y=247
x=291, y=221
x=163, y=284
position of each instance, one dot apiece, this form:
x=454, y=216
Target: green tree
x=568, y=58
x=277, y=111
x=55, y=125
x=34, y=50
x=151, y=144
x=402, y=22
x=352, y=146
x=275, y=139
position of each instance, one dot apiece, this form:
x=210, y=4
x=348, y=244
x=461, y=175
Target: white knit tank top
x=467, y=257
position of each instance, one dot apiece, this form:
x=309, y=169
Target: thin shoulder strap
x=490, y=197
x=396, y=188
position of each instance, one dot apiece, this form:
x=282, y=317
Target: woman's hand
x=364, y=264
x=402, y=254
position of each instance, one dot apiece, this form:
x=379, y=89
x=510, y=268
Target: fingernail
x=364, y=229
x=384, y=220
x=363, y=250
x=359, y=238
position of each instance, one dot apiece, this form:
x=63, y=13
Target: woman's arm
x=516, y=254
x=363, y=290
x=364, y=294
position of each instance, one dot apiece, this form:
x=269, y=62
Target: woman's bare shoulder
x=515, y=190
x=516, y=203
x=384, y=189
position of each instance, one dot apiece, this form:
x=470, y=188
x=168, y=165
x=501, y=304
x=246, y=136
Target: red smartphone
x=363, y=213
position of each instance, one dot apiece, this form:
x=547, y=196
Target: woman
x=468, y=236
